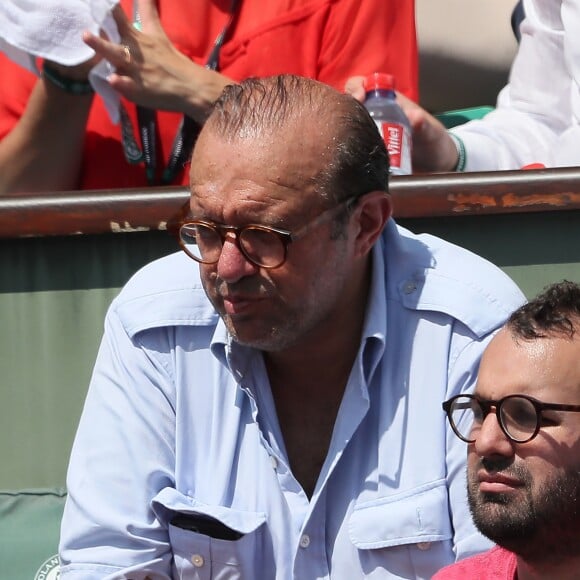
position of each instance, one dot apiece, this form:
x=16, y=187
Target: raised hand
x=151, y=72
x=433, y=148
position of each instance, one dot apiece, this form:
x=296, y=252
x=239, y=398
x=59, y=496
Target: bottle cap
x=378, y=81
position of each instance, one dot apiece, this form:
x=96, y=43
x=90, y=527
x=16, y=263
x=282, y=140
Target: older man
x=264, y=404
x=523, y=429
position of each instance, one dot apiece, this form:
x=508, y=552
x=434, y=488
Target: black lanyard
x=147, y=120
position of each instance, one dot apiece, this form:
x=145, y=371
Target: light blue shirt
x=179, y=420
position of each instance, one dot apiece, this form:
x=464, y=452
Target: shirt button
x=424, y=545
x=197, y=560
x=409, y=287
x=274, y=462
x=305, y=541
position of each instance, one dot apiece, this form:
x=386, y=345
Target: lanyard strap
x=147, y=119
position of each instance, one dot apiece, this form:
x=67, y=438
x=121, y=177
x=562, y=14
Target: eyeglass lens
x=517, y=416
x=204, y=243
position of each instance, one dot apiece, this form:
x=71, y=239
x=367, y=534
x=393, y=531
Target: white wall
x=465, y=51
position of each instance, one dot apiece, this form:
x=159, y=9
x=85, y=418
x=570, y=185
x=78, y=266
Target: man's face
x=260, y=181
x=526, y=496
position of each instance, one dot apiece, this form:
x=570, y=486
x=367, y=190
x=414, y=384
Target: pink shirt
x=495, y=564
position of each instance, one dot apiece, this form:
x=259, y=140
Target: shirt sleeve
x=125, y=441
x=535, y=107
x=464, y=365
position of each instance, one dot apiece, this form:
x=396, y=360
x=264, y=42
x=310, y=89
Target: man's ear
x=373, y=211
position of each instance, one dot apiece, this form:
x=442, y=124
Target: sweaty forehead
x=547, y=368
x=287, y=166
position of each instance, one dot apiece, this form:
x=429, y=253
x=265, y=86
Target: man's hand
x=433, y=148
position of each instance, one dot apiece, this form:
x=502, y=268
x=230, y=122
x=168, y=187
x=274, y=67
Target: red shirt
x=329, y=40
x=495, y=564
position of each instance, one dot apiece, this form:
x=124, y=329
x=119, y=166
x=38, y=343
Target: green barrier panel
x=52, y=307
x=535, y=249
x=460, y=116
x=29, y=528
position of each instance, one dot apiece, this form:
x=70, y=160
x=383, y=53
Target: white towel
x=52, y=29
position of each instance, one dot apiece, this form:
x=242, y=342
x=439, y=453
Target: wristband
x=70, y=86
x=461, y=153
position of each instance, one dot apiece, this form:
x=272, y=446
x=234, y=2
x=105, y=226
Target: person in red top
x=495, y=564
x=53, y=140
x=523, y=428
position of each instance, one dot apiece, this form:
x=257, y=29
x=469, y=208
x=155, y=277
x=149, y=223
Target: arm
x=43, y=147
x=122, y=457
x=43, y=151
x=535, y=107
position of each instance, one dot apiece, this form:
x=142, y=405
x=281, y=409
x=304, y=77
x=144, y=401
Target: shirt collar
x=374, y=331
x=231, y=354
x=238, y=358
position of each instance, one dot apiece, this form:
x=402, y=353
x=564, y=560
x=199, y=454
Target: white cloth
x=537, y=119
x=52, y=29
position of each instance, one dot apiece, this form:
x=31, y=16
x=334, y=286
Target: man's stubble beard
x=538, y=526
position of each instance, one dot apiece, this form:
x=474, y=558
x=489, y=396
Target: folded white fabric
x=52, y=29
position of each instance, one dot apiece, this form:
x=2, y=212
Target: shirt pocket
x=214, y=542
x=413, y=526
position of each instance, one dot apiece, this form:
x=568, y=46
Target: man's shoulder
x=165, y=292
x=433, y=274
x=495, y=564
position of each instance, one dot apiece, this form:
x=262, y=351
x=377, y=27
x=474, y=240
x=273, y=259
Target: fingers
x=124, y=24
x=423, y=123
x=354, y=86
x=406, y=103
x=127, y=52
x=124, y=85
x=121, y=56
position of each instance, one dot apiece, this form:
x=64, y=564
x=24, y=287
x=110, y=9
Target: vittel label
x=398, y=145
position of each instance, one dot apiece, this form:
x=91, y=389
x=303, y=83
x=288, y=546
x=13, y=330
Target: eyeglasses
x=264, y=246
x=519, y=416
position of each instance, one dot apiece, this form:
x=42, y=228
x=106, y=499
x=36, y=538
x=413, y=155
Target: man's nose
x=490, y=438
x=233, y=264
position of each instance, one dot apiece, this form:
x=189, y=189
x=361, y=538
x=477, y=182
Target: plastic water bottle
x=392, y=123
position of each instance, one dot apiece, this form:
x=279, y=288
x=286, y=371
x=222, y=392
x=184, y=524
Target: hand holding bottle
x=433, y=150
